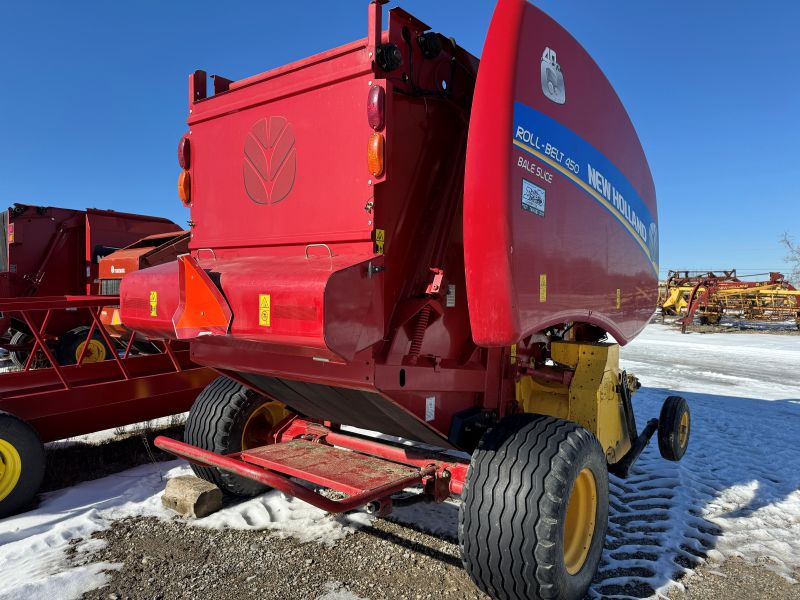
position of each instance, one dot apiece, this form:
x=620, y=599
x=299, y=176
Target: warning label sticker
x=264, y=310
x=533, y=198
x=380, y=240
x=153, y=303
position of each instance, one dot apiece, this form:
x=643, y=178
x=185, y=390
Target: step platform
x=335, y=468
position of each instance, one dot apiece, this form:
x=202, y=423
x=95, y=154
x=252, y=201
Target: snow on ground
x=736, y=492
x=33, y=545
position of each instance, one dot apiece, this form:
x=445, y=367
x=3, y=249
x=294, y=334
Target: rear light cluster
x=184, y=179
x=376, y=116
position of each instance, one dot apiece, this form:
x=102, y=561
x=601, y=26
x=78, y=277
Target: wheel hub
x=10, y=468
x=261, y=423
x=683, y=430
x=580, y=520
x=96, y=352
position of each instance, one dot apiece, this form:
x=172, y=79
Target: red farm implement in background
x=147, y=252
x=46, y=251
x=46, y=401
x=113, y=377
x=711, y=295
x=437, y=255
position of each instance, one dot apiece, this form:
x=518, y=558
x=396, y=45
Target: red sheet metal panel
x=149, y=299
x=318, y=306
x=560, y=220
x=288, y=177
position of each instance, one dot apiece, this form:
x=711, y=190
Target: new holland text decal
x=582, y=164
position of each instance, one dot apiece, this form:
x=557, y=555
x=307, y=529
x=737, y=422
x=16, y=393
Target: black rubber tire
x=68, y=344
x=26, y=442
x=512, y=518
x=216, y=421
x=669, y=423
x=19, y=358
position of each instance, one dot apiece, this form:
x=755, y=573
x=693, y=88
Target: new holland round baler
x=393, y=236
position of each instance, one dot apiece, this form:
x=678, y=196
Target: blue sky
x=93, y=100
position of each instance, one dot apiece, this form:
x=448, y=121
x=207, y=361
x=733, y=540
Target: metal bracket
x=435, y=285
x=374, y=269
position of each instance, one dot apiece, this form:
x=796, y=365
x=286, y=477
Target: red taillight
x=185, y=187
x=184, y=152
x=375, y=107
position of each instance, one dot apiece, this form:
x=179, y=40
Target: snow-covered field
x=736, y=492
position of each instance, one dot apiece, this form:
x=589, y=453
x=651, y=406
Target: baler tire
x=22, y=464
x=520, y=484
x=216, y=422
x=20, y=357
x=674, y=427
x=69, y=346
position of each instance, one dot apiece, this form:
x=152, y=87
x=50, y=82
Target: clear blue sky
x=93, y=100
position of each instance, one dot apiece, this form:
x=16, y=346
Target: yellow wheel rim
x=10, y=468
x=683, y=430
x=96, y=352
x=580, y=522
x=261, y=423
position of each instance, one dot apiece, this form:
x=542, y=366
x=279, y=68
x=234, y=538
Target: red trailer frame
x=63, y=401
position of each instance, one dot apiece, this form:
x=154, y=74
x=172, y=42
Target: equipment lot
x=726, y=498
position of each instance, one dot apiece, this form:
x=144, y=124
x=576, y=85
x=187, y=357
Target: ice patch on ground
x=68, y=584
x=336, y=591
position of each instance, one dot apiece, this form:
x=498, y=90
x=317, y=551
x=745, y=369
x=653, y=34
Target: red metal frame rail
x=65, y=400
x=367, y=469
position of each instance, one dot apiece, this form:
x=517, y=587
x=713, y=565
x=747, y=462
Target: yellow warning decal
x=619, y=298
x=264, y=310
x=115, y=320
x=153, y=303
x=543, y=287
x=380, y=238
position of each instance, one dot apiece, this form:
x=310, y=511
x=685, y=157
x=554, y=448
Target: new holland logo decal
x=270, y=160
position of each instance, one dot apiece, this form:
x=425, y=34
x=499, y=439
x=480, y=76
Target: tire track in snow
x=736, y=492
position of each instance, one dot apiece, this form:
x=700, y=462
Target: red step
x=342, y=470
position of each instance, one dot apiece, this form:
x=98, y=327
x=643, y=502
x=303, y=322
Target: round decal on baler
x=270, y=160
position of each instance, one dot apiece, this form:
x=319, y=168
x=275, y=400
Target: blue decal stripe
x=589, y=190
x=585, y=166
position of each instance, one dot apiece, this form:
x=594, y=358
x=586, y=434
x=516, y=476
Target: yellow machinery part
x=10, y=468
x=591, y=399
x=677, y=299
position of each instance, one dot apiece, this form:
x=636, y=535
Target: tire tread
x=517, y=482
x=209, y=426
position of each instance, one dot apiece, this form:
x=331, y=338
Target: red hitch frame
x=369, y=471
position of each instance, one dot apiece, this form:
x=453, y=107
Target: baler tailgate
x=335, y=468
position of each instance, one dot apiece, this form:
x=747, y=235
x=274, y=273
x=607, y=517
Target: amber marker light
x=185, y=187
x=375, y=154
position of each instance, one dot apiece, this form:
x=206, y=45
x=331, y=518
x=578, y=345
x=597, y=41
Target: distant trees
x=793, y=256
